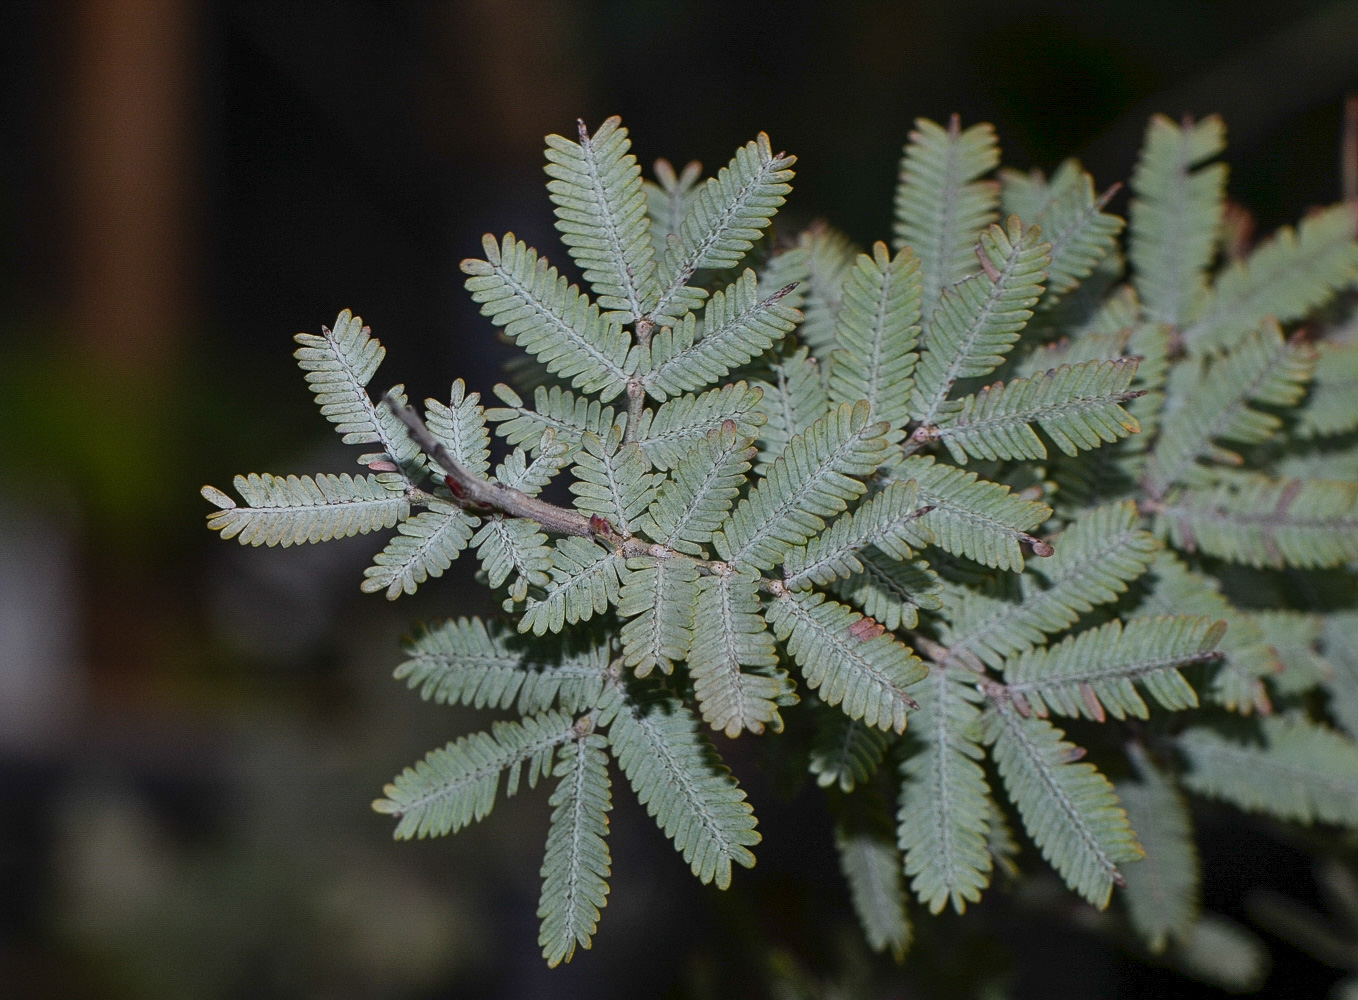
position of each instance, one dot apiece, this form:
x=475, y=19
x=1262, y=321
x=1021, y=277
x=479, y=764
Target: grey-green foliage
x=790, y=480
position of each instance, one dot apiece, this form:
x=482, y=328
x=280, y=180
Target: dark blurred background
x=190, y=732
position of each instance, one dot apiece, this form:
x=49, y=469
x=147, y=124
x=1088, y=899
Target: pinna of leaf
x=767, y=449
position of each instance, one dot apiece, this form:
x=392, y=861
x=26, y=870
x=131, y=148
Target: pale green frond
x=832, y=254
x=575, y=869
x=1321, y=463
x=979, y=318
x=1301, y=771
x=678, y=777
x=424, y=545
x=696, y=497
x=1339, y=640
x=814, y=478
x=1237, y=683
x=737, y=326
x=667, y=201
x=460, y=426
x=513, y=549
x=876, y=333
x=888, y=521
x=1262, y=368
x=733, y=663
x=1096, y=671
x=1286, y=277
x=725, y=216
x=584, y=583
x=548, y=317
x=659, y=596
x=1294, y=636
x=1332, y=406
x=466, y=661
x=845, y=753
x=794, y=399
x=1176, y=216
x=669, y=432
x=567, y=416
x=1080, y=232
x=1163, y=889
x=1096, y=557
x=941, y=205
x=872, y=868
x=891, y=591
x=339, y=364
x=612, y=481
x=1309, y=523
x=601, y=216
x=945, y=803
x=456, y=786
x=530, y=477
x=971, y=516
x=294, y=510
x=1068, y=351
x=1078, y=406
x=1068, y=808
x=847, y=659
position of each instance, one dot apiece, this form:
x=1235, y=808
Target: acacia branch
x=472, y=490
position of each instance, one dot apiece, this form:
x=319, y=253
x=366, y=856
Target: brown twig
x=471, y=489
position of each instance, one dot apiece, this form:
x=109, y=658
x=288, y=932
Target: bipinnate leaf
x=945, y=803
x=941, y=204
x=971, y=516
x=601, y=216
x=725, y=215
x=457, y=785
x=1069, y=809
x=980, y=317
x=849, y=660
x=584, y=584
x=1078, y=406
x=876, y=333
x=738, y=325
x=1176, y=216
x=1300, y=771
x=1286, y=277
x=576, y=867
x=466, y=661
x=300, y=509
x=1095, y=673
x=678, y=777
x=816, y=476
x=549, y=317
x=424, y=545
x=733, y=663
x=1163, y=888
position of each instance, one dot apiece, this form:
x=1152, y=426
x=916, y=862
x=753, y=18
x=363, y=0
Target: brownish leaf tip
x=866, y=628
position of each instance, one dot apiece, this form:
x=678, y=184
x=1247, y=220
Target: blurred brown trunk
x=127, y=154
